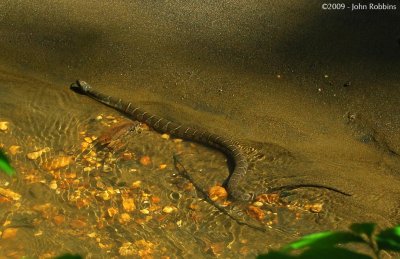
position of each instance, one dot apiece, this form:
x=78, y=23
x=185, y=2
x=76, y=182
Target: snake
x=230, y=148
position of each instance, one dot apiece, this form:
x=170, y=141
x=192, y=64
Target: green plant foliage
x=323, y=239
x=332, y=252
x=5, y=165
x=363, y=228
x=317, y=253
x=389, y=239
x=324, y=244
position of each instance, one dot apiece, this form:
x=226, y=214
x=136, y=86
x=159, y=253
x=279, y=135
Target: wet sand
x=323, y=85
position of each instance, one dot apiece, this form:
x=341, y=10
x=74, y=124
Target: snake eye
x=84, y=86
x=80, y=87
x=81, y=83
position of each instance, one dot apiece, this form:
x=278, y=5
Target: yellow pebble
x=87, y=169
x=136, y=184
x=145, y=211
x=3, y=125
x=258, y=204
x=105, y=195
x=53, y=185
x=124, y=218
x=84, y=145
x=14, y=150
x=36, y=154
x=169, y=209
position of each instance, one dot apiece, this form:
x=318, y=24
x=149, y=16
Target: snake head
x=80, y=87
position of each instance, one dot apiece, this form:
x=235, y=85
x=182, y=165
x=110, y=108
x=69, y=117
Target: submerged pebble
x=10, y=194
x=169, y=209
x=258, y=204
x=165, y=136
x=145, y=160
x=127, y=249
x=36, y=154
x=315, y=208
x=136, y=184
x=107, y=168
x=88, y=140
x=127, y=155
x=14, y=150
x=84, y=146
x=57, y=162
x=105, y=195
x=88, y=169
x=124, y=218
x=53, y=185
x=58, y=219
x=269, y=198
x=145, y=211
x=112, y=211
x=9, y=233
x=3, y=125
x=128, y=204
x=255, y=213
x=217, y=193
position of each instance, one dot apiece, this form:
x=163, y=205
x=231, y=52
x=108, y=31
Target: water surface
x=322, y=86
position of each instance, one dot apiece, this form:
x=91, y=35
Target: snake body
x=228, y=146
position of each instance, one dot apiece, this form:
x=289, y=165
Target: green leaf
x=323, y=239
x=363, y=228
x=317, y=253
x=332, y=253
x=5, y=164
x=389, y=239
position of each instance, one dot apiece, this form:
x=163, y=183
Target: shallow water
x=319, y=87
